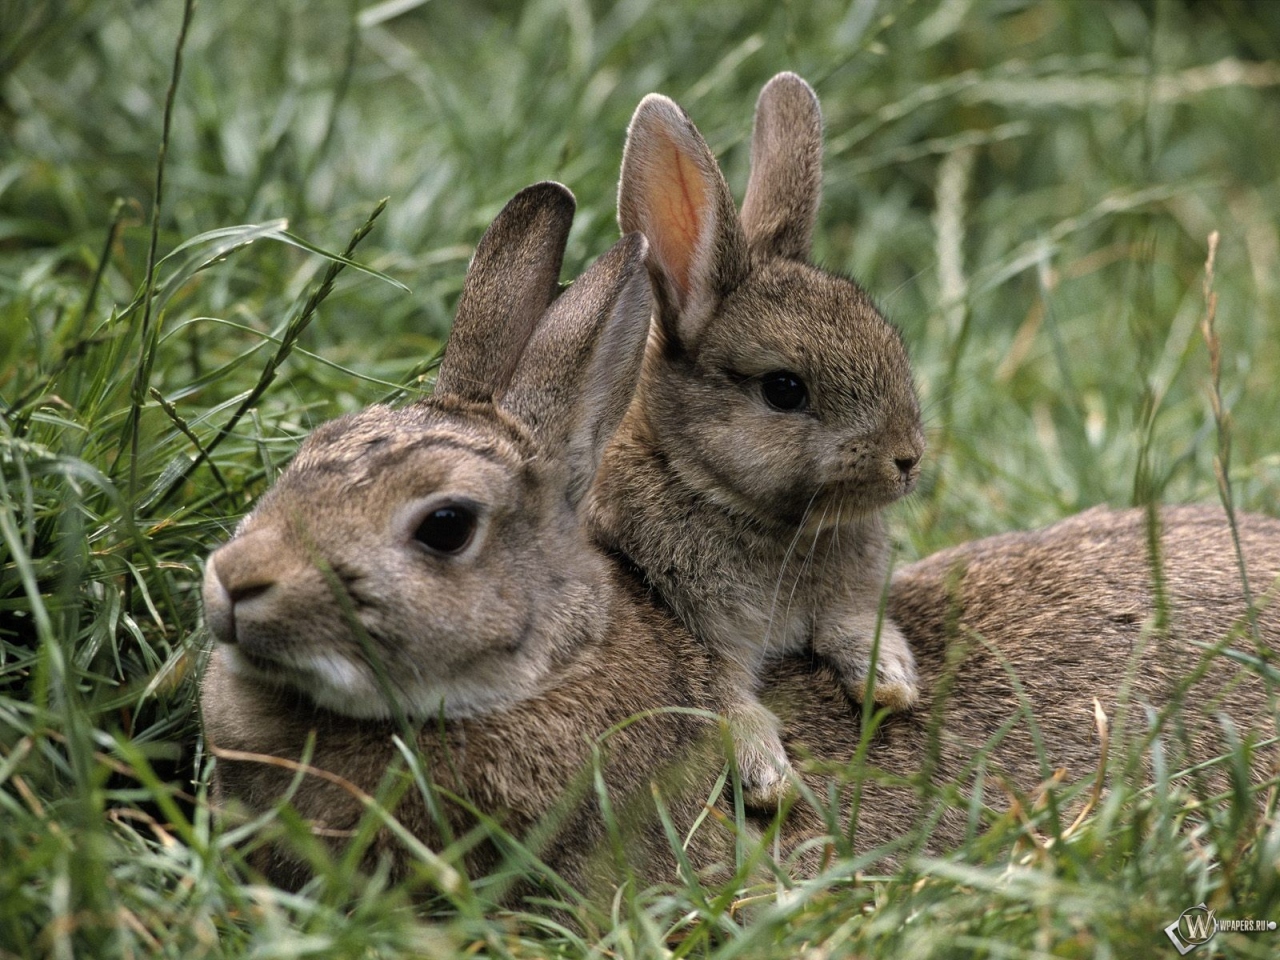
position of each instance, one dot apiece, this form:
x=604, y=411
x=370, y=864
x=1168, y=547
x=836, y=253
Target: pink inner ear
x=678, y=207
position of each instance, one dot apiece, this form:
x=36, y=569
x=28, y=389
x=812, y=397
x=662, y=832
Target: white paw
x=897, y=686
x=762, y=761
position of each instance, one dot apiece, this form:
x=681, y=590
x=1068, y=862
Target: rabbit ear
x=672, y=191
x=781, y=205
x=511, y=280
x=578, y=373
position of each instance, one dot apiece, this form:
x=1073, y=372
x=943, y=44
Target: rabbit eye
x=447, y=529
x=783, y=390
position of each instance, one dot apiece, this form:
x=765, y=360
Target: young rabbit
x=428, y=563
x=775, y=418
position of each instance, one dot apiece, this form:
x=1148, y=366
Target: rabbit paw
x=762, y=760
x=896, y=684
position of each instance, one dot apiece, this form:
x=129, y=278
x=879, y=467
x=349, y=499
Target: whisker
x=833, y=544
x=777, y=587
x=808, y=556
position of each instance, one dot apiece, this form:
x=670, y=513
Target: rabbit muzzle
x=273, y=610
x=273, y=614
x=239, y=581
x=871, y=476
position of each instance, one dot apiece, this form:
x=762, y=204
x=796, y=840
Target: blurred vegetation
x=1028, y=189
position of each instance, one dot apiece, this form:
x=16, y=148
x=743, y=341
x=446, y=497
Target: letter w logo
x=1194, y=928
x=1199, y=926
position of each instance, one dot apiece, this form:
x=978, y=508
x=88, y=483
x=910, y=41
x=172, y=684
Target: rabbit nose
x=238, y=573
x=905, y=464
x=219, y=610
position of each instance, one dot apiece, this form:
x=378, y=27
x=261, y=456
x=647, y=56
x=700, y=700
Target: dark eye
x=783, y=390
x=447, y=529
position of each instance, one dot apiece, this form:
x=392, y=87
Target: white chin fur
x=328, y=680
x=340, y=686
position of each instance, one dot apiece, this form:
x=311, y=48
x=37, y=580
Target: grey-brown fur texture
x=528, y=661
x=1067, y=610
x=338, y=606
x=1071, y=613
x=760, y=526
x=522, y=765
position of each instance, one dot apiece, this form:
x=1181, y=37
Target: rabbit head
x=772, y=383
x=428, y=560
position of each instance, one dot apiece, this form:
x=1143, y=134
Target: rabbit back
x=1023, y=631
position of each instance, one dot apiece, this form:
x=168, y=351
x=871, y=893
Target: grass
x=1028, y=188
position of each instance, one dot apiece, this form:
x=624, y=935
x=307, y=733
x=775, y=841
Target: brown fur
x=759, y=526
x=515, y=765
x=515, y=657
x=1069, y=611
x=1066, y=610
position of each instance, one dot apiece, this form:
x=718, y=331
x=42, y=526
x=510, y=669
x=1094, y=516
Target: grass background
x=1027, y=187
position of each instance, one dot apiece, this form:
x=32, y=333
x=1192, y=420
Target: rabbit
x=1018, y=631
x=776, y=417
x=426, y=566
x=511, y=436
x=1022, y=631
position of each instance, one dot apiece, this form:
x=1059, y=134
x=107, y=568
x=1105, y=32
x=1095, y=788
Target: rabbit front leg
x=846, y=638
x=754, y=730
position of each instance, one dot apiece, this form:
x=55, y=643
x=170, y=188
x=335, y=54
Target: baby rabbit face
x=774, y=388
x=399, y=564
x=796, y=399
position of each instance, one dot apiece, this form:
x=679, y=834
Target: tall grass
x=191, y=278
